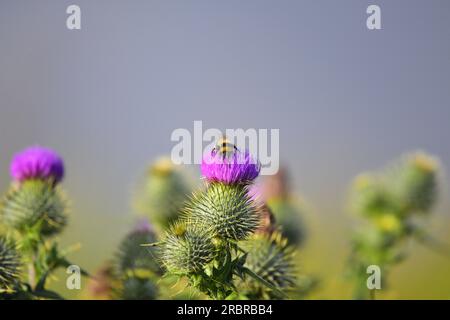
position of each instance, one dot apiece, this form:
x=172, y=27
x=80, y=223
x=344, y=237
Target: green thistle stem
x=32, y=274
x=31, y=242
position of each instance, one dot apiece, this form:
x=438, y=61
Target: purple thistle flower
x=234, y=168
x=143, y=226
x=37, y=163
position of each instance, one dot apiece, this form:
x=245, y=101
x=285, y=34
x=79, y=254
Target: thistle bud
x=35, y=203
x=270, y=257
x=188, y=250
x=132, y=255
x=137, y=288
x=163, y=194
x=227, y=211
x=370, y=196
x=414, y=181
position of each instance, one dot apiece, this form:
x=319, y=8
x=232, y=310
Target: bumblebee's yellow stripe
x=224, y=146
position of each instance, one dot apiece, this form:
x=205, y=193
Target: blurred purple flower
x=37, y=163
x=142, y=226
x=235, y=168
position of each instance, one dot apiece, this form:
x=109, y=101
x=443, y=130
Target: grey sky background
x=107, y=97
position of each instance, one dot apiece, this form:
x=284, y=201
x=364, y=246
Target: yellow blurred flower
x=388, y=222
x=425, y=162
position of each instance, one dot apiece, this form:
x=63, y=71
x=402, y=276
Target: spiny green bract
x=132, y=255
x=414, y=182
x=225, y=210
x=187, y=250
x=35, y=203
x=163, y=193
x=270, y=257
x=9, y=266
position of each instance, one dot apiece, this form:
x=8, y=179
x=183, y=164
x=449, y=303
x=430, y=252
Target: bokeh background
x=345, y=99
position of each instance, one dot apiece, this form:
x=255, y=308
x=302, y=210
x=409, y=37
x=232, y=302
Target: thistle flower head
x=37, y=163
x=162, y=194
x=226, y=164
x=137, y=288
x=9, y=265
x=132, y=255
x=162, y=167
x=187, y=250
x=270, y=257
x=226, y=211
x=35, y=203
x=414, y=181
x=371, y=196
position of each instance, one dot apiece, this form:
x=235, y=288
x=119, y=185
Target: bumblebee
x=225, y=148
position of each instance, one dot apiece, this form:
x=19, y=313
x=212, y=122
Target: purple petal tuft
x=236, y=168
x=37, y=163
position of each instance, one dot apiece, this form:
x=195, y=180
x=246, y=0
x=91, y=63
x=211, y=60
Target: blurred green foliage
x=32, y=213
x=390, y=202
